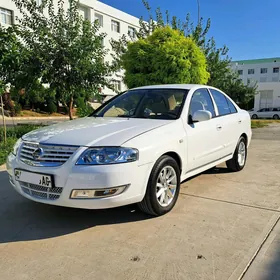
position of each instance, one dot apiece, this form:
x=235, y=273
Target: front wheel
x=237, y=163
x=254, y=117
x=163, y=187
x=276, y=117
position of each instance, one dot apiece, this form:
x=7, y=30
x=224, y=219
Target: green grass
x=262, y=123
x=13, y=133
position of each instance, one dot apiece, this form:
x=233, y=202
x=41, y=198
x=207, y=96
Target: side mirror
x=201, y=116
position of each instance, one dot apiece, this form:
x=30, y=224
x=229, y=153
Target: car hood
x=92, y=131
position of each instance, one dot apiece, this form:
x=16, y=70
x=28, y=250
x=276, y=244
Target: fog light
x=97, y=193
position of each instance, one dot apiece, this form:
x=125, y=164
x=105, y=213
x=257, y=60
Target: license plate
x=34, y=178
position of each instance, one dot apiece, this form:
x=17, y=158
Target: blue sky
x=250, y=28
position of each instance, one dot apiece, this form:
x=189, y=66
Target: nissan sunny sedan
x=136, y=148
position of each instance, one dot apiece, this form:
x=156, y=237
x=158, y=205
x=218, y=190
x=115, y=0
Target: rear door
x=229, y=121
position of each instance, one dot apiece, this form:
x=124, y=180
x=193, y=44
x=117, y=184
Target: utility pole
x=198, y=11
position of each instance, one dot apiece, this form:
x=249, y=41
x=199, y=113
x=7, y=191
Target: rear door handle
x=219, y=127
x=239, y=121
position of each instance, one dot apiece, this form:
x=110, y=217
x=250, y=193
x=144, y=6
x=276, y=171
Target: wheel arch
x=176, y=157
x=245, y=136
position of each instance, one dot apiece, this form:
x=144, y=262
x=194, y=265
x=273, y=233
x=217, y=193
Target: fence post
x=4, y=121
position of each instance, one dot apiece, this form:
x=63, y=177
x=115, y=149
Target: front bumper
x=70, y=176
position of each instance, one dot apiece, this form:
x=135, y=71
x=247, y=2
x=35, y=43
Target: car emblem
x=38, y=153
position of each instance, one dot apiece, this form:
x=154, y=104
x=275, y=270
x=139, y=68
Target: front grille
x=45, y=155
x=40, y=192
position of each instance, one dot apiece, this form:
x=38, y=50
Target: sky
x=249, y=28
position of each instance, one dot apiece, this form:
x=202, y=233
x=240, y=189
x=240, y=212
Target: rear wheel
x=237, y=163
x=276, y=117
x=163, y=187
x=254, y=116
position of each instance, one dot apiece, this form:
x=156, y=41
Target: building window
x=251, y=71
x=84, y=12
x=115, y=26
x=6, y=16
x=117, y=86
x=99, y=19
x=240, y=72
x=131, y=32
x=276, y=70
x=263, y=70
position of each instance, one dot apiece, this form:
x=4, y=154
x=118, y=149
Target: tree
x=218, y=61
x=67, y=50
x=164, y=57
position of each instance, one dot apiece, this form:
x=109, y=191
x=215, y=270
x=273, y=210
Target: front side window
x=201, y=100
x=145, y=103
x=221, y=102
x=115, y=26
x=6, y=16
x=263, y=70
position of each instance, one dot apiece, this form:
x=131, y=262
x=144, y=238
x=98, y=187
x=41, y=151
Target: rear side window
x=221, y=102
x=231, y=106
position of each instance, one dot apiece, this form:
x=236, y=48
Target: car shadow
x=24, y=220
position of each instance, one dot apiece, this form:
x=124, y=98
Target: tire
x=276, y=117
x=254, y=117
x=150, y=203
x=237, y=164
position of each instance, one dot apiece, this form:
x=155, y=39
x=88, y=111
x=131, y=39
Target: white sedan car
x=265, y=113
x=136, y=148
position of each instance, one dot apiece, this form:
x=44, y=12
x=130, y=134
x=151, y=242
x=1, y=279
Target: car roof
x=174, y=86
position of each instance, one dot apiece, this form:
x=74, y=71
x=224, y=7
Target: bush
x=17, y=131
x=51, y=106
x=84, y=111
x=13, y=133
x=17, y=108
x=5, y=149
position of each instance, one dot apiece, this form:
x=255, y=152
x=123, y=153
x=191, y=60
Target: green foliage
x=13, y=133
x=83, y=107
x=84, y=111
x=66, y=50
x=5, y=149
x=164, y=57
x=17, y=131
x=17, y=108
x=51, y=106
x=218, y=62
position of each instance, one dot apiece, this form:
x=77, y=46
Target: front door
x=204, y=138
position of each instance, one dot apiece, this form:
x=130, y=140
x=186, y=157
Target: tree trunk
x=70, y=109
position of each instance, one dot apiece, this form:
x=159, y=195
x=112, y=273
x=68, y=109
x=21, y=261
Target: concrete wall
x=264, y=87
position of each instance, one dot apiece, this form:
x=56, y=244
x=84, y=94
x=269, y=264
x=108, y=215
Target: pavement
x=224, y=226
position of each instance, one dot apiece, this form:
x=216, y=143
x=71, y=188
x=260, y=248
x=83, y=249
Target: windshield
x=145, y=103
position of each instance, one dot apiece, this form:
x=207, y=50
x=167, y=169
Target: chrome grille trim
x=40, y=192
x=53, y=155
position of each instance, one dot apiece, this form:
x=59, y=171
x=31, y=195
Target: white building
x=113, y=22
x=266, y=74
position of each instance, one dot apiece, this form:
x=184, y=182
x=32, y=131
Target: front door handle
x=239, y=121
x=219, y=127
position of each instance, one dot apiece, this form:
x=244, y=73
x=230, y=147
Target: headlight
x=16, y=147
x=107, y=155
